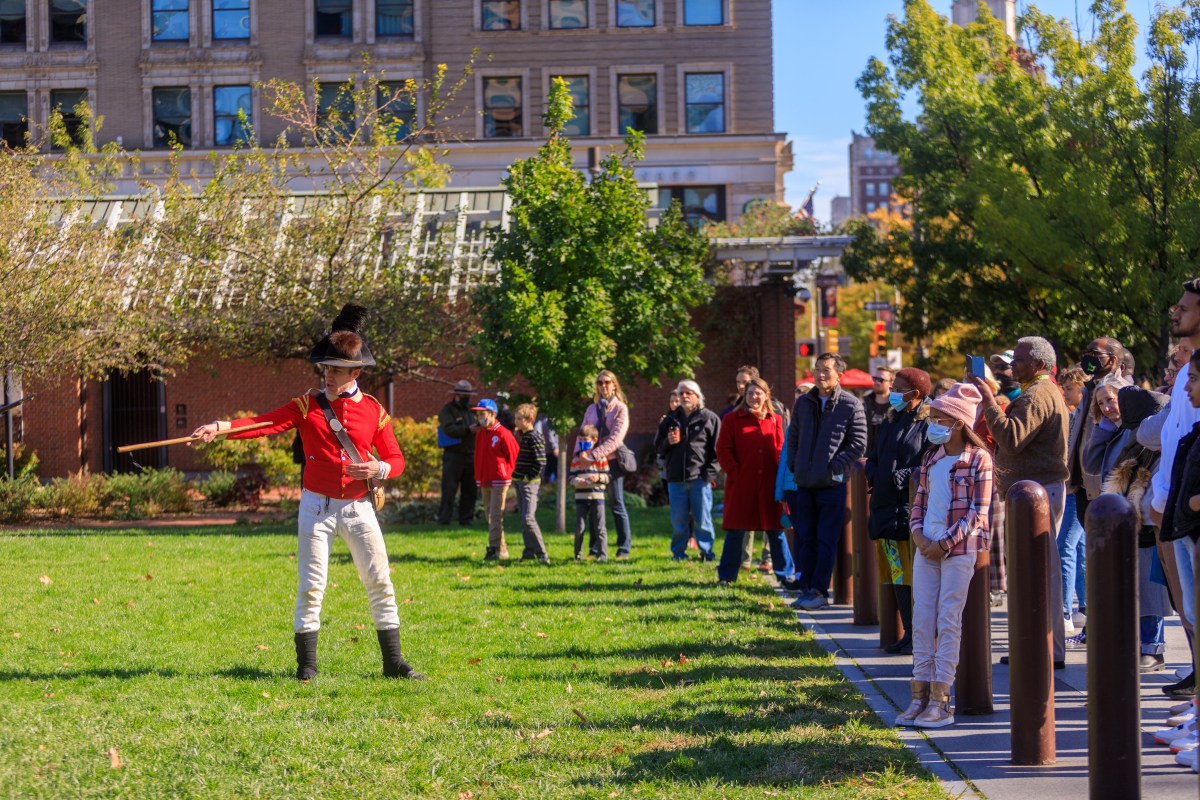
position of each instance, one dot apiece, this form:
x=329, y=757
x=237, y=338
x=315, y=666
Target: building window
x=568, y=14
x=635, y=13
x=68, y=21
x=12, y=22
x=332, y=18
x=172, y=117
x=502, y=108
x=581, y=123
x=394, y=18
x=500, y=15
x=231, y=19
x=14, y=119
x=705, y=92
x=169, y=20
x=870, y=207
x=67, y=103
x=637, y=103
x=232, y=115
x=397, y=109
x=870, y=189
x=883, y=189
x=700, y=204
x=335, y=108
x=703, y=12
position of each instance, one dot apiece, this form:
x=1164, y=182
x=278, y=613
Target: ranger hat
x=344, y=345
x=463, y=387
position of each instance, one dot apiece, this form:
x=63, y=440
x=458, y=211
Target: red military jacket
x=367, y=424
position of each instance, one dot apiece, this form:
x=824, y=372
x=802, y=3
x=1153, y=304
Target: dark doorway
x=134, y=411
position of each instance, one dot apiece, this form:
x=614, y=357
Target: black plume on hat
x=344, y=345
x=351, y=318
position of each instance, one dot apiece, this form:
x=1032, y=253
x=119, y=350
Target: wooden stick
x=182, y=439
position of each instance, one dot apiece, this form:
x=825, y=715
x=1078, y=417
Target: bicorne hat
x=344, y=345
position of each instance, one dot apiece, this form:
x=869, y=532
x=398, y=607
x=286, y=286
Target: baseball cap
x=486, y=404
x=1005, y=358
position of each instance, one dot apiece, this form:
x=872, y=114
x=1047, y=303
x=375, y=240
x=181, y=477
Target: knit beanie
x=1137, y=404
x=918, y=379
x=960, y=402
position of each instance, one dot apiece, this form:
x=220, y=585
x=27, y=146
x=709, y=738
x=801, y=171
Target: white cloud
x=824, y=160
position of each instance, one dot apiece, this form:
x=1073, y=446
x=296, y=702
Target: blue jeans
x=731, y=555
x=616, y=501
x=691, y=499
x=1071, y=552
x=1152, y=634
x=817, y=518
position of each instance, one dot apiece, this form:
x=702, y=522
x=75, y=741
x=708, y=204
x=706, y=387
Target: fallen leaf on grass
x=579, y=714
x=266, y=694
x=569, y=689
x=636, y=728
x=467, y=795
x=541, y=635
x=638, y=582
x=96, y=600
x=56, y=630
x=608, y=619
x=683, y=659
x=114, y=758
x=148, y=576
x=149, y=544
x=499, y=679
x=261, y=647
x=473, y=661
x=130, y=604
x=409, y=601
x=44, y=580
x=16, y=635
x=359, y=626
x=48, y=695
x=544, y=733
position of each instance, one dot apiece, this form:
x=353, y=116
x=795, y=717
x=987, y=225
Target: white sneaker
x=1168, y=735
x=818, y=600
x=1068, y=624
x=1185, y=743
x=1179, y=708
x=1184, y=716
x=1187, y=759
x=1079, y=619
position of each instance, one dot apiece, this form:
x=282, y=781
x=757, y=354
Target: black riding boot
x=904, y=605
x=394, y=665
x=306, y=655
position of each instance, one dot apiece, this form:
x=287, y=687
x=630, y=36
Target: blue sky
x=821, y=47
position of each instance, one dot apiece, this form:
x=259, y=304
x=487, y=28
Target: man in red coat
x=748, y=449
x=336, y=500
x=495, y=458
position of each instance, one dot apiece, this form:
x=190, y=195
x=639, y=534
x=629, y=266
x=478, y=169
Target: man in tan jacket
x=1031, y=444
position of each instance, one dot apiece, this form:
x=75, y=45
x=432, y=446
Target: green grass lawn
x=168, y=653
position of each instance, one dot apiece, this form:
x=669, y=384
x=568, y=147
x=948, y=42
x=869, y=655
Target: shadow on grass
x=98, y=672
x=287, y=528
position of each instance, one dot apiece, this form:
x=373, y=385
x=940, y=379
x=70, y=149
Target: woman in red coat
x=748, y=450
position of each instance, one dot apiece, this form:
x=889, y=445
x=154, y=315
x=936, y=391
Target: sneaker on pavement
x=1182, y=716
x=1182, y=690
x=1165, y=736
x=1079, y=619
x=817, y=600
x=805, y=594
x=1068, y=624
x=1180, y=708
x=1185, y=743
x=1077, y=642
x=1149, y=662
x=1187, y=758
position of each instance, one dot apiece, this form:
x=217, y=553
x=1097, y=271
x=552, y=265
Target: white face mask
x=938, y=433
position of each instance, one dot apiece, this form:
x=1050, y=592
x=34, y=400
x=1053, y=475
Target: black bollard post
x=1030, y=636
x=843, y=569
x=1113, y=682
x=866, y=583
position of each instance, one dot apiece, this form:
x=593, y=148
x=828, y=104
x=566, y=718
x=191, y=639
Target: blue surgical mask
x=897, y=401
x=938, y=433
x=585, y=445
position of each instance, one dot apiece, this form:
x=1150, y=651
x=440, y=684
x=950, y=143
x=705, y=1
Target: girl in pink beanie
x=950, y=525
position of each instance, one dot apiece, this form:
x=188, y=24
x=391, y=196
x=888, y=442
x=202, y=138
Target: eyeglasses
x=604, y=382
x=1094, y=352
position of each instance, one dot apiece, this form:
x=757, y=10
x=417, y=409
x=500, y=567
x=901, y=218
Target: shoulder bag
x=378, y=498
x=623, y=461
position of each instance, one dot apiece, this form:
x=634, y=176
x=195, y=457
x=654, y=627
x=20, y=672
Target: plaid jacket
x=972, y=494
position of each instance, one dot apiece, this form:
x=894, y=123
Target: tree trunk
x=560, y=522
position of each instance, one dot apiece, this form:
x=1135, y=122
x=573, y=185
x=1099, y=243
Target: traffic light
x=879, y=342
x=806, y=348
x=831, y=340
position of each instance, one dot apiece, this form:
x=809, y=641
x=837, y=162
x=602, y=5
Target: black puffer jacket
x=899, y=447
x=824, y=443
x=1178, y=518
x=695, y=457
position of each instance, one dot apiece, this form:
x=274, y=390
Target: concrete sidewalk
x=977, y=748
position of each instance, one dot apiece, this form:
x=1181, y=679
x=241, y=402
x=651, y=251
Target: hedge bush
x=269, y=455
x=17, y=497
x=422, y=458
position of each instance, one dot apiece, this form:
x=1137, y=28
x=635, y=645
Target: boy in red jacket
x=495, y=457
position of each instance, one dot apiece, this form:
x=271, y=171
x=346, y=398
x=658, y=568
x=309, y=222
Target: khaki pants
x=939, y=596
x=493, y=510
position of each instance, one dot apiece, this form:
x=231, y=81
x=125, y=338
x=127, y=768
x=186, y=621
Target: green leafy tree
x=583, y=283
x=1052, y=192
